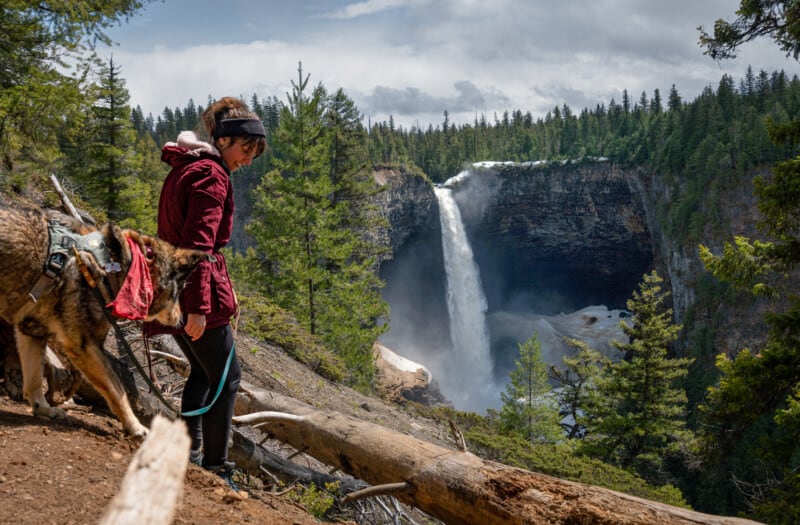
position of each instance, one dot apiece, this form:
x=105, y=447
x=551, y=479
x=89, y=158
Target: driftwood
x=454, y=486
x=153, y=485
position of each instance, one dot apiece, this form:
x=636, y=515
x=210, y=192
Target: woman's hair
x=226, y=109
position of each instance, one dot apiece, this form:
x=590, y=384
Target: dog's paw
x=136, y=429
x=48, y=412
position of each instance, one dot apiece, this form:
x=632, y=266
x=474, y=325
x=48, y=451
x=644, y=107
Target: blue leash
x=201, y=411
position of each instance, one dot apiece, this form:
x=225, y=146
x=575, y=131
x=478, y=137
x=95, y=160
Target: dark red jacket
x=195, y=210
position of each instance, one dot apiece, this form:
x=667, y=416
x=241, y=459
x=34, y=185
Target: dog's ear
x=116, y=243
x=144, y=242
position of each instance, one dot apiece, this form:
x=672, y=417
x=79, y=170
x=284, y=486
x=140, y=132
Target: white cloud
x=416, y=59
x=369, y=7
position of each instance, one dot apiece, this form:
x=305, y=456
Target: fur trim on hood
x=190, y=141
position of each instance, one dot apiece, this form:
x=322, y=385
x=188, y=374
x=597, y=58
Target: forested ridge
x=307, y=281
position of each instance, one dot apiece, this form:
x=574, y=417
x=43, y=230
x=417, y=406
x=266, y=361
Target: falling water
x=469, y=382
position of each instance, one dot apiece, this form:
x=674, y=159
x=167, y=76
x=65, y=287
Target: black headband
x=237, y=127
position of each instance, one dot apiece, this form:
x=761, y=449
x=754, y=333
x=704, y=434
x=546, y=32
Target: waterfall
x=469, y=381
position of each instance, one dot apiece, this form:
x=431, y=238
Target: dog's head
x=169, y=268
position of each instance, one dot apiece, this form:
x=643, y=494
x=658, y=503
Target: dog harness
x=62, y=243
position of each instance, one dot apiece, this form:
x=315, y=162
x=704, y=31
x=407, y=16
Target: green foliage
x=315, y=500
x=635, y=418
x=115, y=172
x=558, y=460
x=268, y=322
x=779, y=19
x=37, y=41
x=576, y=379
x=714, y=300
x=755, y=404
x=528, y=407
x=756, y=395
x=782, y=506
x=744, y=264
x=311, y=215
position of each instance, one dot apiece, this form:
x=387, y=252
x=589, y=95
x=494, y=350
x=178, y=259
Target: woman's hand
x=195, y=326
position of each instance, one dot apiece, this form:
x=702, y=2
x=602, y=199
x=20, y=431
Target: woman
x=195, y=210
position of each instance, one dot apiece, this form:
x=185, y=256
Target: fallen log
x=153, y=484
x=249, y=456
x=454, y=486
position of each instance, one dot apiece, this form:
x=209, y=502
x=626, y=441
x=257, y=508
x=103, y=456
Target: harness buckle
x=54, y=265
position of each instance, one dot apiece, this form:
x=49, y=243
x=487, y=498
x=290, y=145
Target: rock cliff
x=407, y=201
x=553, y=238
x=573, y=234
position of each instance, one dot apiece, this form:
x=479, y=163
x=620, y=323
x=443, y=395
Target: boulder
x=400, y=379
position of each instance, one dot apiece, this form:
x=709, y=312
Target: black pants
x=208, y=356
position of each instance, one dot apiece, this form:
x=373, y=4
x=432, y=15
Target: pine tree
x=637, y=418
x=577, y=380
x=38, y=102
x=102, y=161
x=674, y=102
x=757, y=401
x=528, y=406
x=309, y=226
x=292, y=205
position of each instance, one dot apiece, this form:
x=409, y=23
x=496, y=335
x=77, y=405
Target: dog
x=68, y=309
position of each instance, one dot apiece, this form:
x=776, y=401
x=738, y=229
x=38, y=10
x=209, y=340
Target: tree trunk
x=456, y=487
x=153, y=484
x=250, y=457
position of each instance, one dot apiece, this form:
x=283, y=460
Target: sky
x=415, y=59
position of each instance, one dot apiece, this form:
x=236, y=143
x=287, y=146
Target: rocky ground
x=67, y=472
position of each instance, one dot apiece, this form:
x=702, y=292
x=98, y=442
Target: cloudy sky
x=414, y=59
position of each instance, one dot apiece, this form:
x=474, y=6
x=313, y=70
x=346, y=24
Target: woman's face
x=234, y=154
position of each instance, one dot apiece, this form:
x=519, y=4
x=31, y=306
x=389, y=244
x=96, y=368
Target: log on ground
x=454, y=486
x=153, y=484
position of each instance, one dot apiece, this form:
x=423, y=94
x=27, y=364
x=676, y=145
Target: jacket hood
x=187, y=149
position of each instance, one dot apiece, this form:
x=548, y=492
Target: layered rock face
x=548, y=239
x=556, y=237
x=406, y=201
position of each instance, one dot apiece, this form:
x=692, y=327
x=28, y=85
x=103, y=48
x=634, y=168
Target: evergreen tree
x=36, y=97
x=577, y=380
x=761, y=390
x=637, y=416
x=101, y=164
x=758, y=397
x=139, y=197
x=528, y=406
x=309, y=227
x=778, y=19
x=292, y=205
x=118, y=173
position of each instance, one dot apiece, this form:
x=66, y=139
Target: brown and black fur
x=69, y=312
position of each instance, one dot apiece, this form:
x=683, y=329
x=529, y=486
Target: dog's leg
x=94, y=365
x=31, y=356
